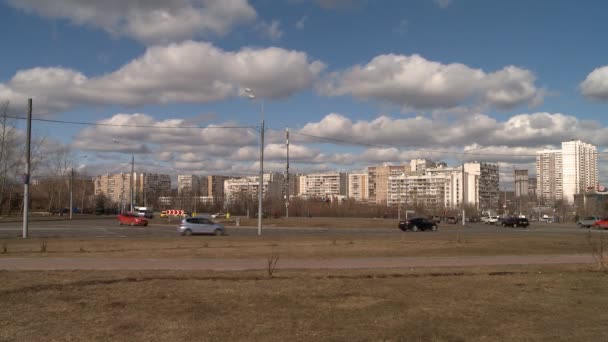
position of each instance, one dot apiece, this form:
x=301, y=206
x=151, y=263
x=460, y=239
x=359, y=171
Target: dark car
x=515, y=222
x=417, y=224
x=452, y=220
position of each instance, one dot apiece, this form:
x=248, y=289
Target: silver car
x=200, y=225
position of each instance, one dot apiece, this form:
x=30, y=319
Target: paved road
x=261, y=264
x=108, y=227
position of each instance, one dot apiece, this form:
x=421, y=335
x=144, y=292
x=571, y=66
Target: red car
x=131, y=220
x=601, y=224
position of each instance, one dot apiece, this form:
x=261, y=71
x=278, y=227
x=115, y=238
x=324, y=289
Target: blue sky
x=396, y=79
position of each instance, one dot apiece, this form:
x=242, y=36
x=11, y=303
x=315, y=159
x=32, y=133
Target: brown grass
x=550, y=303
x=444, y=243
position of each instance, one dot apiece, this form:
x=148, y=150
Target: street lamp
x=251, y=96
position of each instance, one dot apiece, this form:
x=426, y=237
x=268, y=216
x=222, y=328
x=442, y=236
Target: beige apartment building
x=378, y=180
x=358, y=186
x=246, y=188
x=147, y=187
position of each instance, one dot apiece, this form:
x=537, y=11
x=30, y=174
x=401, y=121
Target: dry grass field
x=526, y=303
x=454, y=242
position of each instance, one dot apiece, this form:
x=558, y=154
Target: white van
x=146, y=212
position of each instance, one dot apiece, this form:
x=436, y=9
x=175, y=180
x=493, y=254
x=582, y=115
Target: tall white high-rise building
x=579, y=168
x=561, y=174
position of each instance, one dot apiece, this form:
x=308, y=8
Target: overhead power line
x=82, y=123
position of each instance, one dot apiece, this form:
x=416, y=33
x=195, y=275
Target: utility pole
x=71, y=192
x=463, y=196
x=287, y=176
x=261, y=186
x=26, y=177
x=132, y=178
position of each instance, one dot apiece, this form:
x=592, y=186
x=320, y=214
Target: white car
x=492, y=219
x=485, y=219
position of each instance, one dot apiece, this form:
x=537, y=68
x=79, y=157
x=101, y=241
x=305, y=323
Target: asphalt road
x=108, y=227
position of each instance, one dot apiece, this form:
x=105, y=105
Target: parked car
x=200, y=225
x=451, y=220
x=515, y=222
x=485, y=219
x=132, y=219
x=587, y=222
x=601, y=224
x=218, y=215
x=163, y=214
x=435, y=219
x=416, y=224
x=492, y=219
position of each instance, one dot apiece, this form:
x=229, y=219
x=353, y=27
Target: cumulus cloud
x=531, y=130
x=195, y=72
x=595, y=86
x=150, y=21
x=413, y=81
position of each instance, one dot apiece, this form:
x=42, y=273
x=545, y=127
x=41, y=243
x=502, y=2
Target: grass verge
x=549, y=303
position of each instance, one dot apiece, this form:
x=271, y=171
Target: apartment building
x=188, y=185
x=246, y=188
x=358, y=188
x=146, y=187
x=579, y=168
x=378, y=180
x=549, y=175
x=323, y=185
x=437, y=187
x=520, y=180
x=483, y=185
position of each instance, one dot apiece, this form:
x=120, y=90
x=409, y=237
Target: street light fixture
x=251, y=96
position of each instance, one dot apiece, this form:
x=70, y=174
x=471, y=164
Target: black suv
x=515, y=222
x=417, y=224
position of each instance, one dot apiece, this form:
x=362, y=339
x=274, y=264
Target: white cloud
x=443, y=4
x=149, y=21
x=413, y=81
x=595, y=86
x=194, y=72
x=271, y=30
x=524, y=130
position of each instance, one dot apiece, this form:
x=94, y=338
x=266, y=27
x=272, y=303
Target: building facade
x=188, y=185
x=579, y=168
x=324, y=185
x=549, y=176
x=246, y=188
x=562, y=174
x=473, y=184
x=378, y=180
x=520, y=180
x=147, y=187
x=358, y=188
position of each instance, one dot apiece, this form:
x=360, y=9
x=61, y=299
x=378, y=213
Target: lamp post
x=252, y=96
